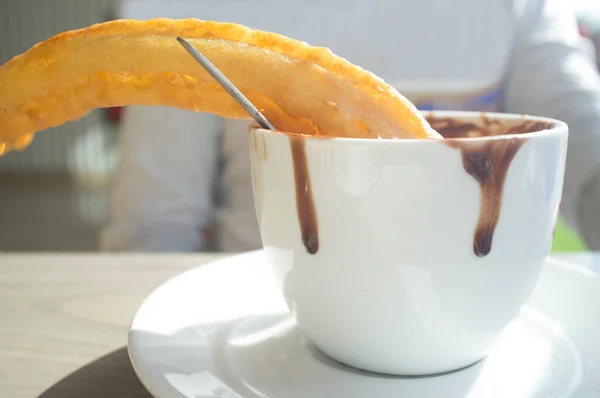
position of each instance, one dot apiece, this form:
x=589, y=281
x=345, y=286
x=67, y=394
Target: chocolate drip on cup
x=305, y=204
x=488, y=163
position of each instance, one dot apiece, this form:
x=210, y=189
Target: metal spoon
x=227, y=85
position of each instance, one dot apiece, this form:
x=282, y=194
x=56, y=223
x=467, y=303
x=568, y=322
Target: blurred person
x=588, y=18
x=184, y=178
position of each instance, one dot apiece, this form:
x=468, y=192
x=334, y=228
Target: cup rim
x=557, y=128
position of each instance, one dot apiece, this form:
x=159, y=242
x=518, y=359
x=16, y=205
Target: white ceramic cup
x=401, y=283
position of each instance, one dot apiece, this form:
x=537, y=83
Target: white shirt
x=497, y=55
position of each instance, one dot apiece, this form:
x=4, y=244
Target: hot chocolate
x=391, y=252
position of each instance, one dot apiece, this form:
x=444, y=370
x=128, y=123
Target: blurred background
x=54, y=195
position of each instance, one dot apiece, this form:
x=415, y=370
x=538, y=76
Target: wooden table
x=64, y=320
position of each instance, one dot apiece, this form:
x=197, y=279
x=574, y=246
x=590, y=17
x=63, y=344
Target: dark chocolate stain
x=305, y=205
x=488, y=163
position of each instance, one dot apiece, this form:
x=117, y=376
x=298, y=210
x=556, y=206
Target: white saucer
x=223, y=330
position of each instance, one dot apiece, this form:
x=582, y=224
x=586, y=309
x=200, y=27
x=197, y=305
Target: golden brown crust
x=125, y=62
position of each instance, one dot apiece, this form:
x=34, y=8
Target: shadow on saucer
x=108, y=376
x=292, y=363
x=319, y=355
x=267, y=356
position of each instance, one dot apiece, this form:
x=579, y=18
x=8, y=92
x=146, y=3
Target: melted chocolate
x=305, y=205
x=487, y=162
